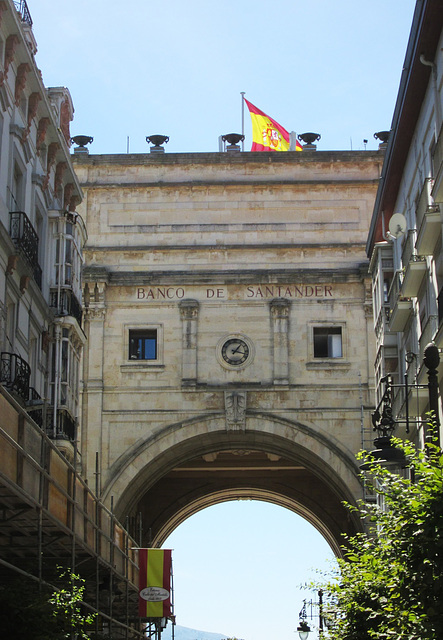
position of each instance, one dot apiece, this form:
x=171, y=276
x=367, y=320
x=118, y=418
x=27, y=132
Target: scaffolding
x=49, y=517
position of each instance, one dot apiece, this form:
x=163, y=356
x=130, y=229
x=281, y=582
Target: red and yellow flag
x=267, y=134
x=155, y=569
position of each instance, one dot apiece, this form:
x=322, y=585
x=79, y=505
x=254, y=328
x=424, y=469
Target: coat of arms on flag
x=267, y=134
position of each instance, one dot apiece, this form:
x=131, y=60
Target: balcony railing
x=440, y=307
x=64, y=428
x=66, y=304
x=395, y=288
x=400, y=305
x=425, y=201
x=414, y=266
x=437, y=159
x=408, y=250
x=25, y=238
x=14, y=374
x=23, y=10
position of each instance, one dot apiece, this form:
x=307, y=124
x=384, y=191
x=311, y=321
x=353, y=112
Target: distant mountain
x=184, y=633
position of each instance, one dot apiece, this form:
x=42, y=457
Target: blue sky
x=239, y=568
x=177, y=68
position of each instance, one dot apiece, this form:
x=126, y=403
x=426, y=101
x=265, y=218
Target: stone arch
x=305, y=470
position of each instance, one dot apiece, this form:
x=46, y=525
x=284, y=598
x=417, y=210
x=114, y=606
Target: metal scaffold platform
x=50, y=518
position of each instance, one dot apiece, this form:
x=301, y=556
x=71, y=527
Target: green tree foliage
x=28, y=612
x=67, y=606
x=390, y=581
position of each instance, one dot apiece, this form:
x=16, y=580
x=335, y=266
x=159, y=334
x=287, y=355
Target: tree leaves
x=391, y=577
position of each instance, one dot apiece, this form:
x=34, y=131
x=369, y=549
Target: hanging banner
x=155, y=571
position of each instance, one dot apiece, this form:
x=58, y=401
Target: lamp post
x=384, y=422
x=303, y=628
x=431, y=361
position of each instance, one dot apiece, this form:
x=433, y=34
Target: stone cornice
x=222, y=247
x=262, y=157
x=194, y=184
x=234, y=276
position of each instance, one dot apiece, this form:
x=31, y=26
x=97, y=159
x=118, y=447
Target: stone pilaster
x=92, y=438
x=280, y=327
x=189, y=317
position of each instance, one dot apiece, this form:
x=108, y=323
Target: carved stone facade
x=226, y=310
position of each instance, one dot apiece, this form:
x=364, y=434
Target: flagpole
x=242, y=93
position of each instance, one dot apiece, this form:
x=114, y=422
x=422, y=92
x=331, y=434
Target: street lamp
x=384, y=422
x=303, y=628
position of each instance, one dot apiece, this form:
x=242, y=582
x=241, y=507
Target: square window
x=143, y=344
x=328, y=342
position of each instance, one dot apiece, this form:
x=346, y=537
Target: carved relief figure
x=34, y=99
x=65, y=119
x=42, y=129
x=10, y=47
x=235, y=407
x=20, y=82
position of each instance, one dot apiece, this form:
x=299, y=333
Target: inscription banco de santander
x=257, y=292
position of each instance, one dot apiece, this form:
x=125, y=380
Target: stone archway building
x=230, y=333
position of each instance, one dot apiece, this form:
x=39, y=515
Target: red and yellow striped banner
x=155, y=569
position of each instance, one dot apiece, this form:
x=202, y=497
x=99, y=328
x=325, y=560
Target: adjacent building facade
x=42, y=236
x=48, y=514
x=405, y=239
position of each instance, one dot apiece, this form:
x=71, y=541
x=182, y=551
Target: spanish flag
x=267, y=134
x=155, y=570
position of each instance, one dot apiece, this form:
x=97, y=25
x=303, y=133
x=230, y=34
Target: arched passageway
x=165, y=480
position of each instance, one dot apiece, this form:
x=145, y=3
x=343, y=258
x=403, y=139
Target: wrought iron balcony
x=25, y=239
x=414, y=266
x=437, y=161
x=64, y=428
x=35, y=406
x=14, y=374
x=427, y=214
x=37, y=273
x=399, y=304
x=65, y=303
x=23, y=10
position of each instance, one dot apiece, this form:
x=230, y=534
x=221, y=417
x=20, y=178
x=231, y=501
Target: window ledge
x=142, y=366
x=328, y=363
